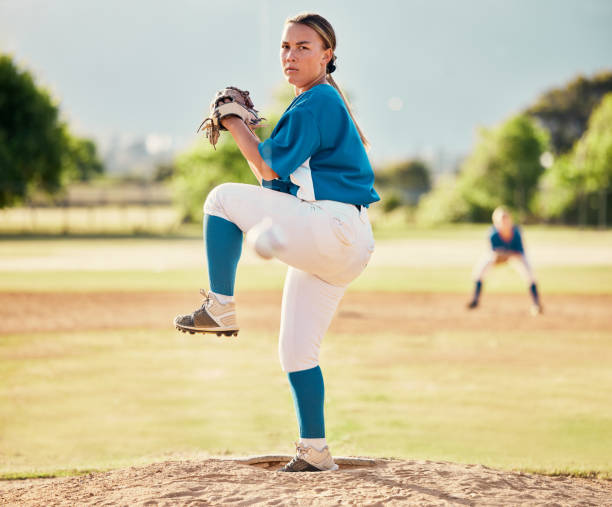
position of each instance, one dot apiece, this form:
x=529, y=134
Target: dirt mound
x=228, y=482
x=359, y=312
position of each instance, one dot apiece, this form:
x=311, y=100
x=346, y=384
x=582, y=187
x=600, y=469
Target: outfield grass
x=438, y=260
x=552, y=280
x=97, y=400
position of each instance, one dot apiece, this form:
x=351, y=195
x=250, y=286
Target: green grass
x=61, y=264
x=553, y=280
x=91, y=220
x=395, y=226
x=98, y=400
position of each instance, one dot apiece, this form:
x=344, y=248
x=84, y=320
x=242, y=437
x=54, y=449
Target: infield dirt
x=225, y=482
x=260, y=310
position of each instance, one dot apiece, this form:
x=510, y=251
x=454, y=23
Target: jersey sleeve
x=293, y=141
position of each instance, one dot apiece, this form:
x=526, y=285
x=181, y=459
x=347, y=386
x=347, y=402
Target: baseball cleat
x=212, y=317
x=472, y=304
x=536, y=310
x=308, y=459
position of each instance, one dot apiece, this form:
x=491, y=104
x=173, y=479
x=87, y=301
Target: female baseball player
x=310, y=212
x=506, y=245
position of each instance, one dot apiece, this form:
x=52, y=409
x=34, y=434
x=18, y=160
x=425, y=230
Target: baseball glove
x=230, y=101
x=502, y=255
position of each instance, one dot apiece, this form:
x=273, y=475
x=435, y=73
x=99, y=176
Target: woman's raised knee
x=216, y=198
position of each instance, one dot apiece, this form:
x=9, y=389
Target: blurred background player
x=506, y=245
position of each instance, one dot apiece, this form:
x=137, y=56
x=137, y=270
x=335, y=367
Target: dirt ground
x=358, y=312
x=226, y=482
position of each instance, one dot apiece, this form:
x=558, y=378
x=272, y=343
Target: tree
x=559, y=188
x=593, y=152
x=81, y=161
x=32, y=139
x=403, y=182
x=201, y=168
x=578, y=183
x=37, y=152
x=504, y=168
x=565, y=111
x=444, y=204
x=164, y=171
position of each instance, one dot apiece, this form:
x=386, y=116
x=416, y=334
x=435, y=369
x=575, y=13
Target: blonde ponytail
x=323, y=27
x=332, y=82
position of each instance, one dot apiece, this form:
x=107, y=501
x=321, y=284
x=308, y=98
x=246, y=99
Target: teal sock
x=308, y=393
x=223, y=248
x=477, y=289
x=534, y=293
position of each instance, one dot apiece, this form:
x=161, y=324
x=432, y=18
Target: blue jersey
x=515, y=244
x=317, y=153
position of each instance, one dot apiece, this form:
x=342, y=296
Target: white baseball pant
x=327, y=245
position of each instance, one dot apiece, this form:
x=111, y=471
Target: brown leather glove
x=230, y=101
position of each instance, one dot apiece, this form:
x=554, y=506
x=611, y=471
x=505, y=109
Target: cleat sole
x=227, y=333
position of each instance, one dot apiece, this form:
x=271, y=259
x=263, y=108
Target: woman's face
x=303, y=57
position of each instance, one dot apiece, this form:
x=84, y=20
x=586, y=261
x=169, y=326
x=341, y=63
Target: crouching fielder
x=310, y=212
x=506, y=245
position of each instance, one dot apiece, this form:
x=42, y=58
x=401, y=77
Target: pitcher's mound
x=250, y=481
x=273, y=462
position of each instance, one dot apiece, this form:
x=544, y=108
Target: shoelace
x=208, y=301
x=300, y=451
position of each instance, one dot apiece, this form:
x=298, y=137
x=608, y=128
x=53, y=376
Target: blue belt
x=287, y=187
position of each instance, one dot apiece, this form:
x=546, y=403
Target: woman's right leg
x=308, y=307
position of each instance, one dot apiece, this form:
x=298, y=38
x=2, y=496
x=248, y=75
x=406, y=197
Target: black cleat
x=212, y=317
x=308, y=459
x=298, y=465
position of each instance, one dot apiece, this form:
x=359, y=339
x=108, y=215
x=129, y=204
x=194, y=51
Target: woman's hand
x=229, y=121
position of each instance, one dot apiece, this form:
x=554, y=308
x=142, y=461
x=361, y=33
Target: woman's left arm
x=248, y=142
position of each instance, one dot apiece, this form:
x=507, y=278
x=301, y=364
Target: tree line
x=551, y=162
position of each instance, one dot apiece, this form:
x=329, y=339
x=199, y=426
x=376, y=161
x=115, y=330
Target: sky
x=422, y=75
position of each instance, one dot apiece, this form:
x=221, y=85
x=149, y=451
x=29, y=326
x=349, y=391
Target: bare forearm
x=248, y=142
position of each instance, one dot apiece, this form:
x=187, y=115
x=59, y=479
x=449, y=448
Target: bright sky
x=423, y=74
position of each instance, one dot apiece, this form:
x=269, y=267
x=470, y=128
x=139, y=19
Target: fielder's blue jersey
x=317, y=153
x=515, y=244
